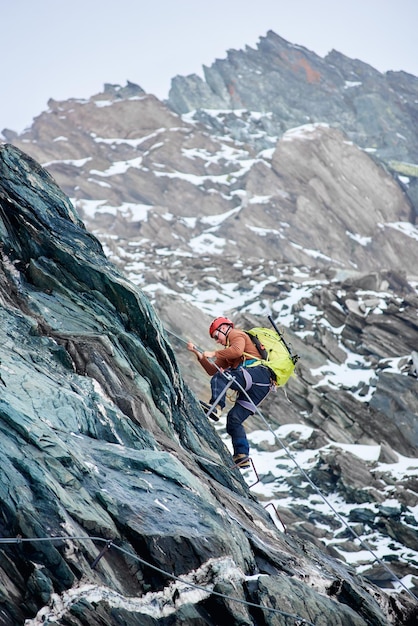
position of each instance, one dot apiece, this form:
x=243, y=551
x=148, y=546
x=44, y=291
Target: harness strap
x=247, y=378
x=252, y=362
x=247, y=405
x=249, y=381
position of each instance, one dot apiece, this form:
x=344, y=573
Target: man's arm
x=202, y=357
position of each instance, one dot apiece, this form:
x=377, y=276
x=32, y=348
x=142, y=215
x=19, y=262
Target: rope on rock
x=109, y=544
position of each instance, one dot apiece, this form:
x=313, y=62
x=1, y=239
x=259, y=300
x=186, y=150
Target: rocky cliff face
x=101, y=439
x=231, y=211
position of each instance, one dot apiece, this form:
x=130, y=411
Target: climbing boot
x=242, y=461
x=213, y=414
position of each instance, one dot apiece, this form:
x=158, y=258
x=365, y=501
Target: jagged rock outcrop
x=153, y=185
x=288, y=85
x=102, y=438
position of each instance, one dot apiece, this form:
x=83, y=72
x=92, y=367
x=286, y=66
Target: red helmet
x=218, y=321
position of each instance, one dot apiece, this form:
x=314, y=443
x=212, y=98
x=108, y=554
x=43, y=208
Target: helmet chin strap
x=225, y=334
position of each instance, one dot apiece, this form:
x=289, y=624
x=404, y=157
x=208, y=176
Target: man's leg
x=218, y=383
x=235, y=429
x=256, y=385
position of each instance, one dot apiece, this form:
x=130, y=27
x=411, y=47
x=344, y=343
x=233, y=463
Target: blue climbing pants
x=256, y=381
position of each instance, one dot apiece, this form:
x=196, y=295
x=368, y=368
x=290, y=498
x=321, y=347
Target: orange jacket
x=232, y=355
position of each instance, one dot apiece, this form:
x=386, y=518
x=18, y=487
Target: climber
x=235, y=362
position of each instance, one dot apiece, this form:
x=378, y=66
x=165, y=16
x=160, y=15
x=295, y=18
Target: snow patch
x=119, y=167
x=405, y=228
x=192, y=588
x=73, y=162
x=361, y=239
x=304, y=132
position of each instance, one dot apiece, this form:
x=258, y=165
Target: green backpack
x=274, y=353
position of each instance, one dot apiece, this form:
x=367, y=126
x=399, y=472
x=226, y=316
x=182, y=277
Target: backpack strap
x=260, y=348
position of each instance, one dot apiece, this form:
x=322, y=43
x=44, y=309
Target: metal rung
x=277, y=513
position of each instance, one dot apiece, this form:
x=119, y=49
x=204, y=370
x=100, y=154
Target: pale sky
x=61, y=49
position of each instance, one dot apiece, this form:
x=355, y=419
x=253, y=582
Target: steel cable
x=109, y=544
